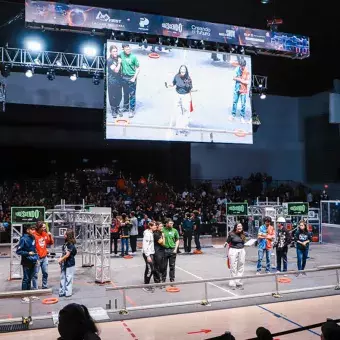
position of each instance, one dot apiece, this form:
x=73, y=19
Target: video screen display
x=171, y=94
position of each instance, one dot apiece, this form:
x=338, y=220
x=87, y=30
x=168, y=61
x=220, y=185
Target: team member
x=114, y=237
x=302, y=237
x=124, y=230
x=171, y=243
x=29, y=258
x=133, y=232
x=67, y=264
x=242, y=80
x=236, y=255
x=197, y=230
x=130, y=71
x=282, y=242
x=114, y=81
x=148, y=255
x=42, y=240
x=186, y=229
x=183, y=84
x=266, y=236
x=159, y=253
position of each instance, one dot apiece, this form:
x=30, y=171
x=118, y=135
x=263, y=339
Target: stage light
x=263, y=96
x=73, y=76
x=59, y=62
x=264, y=2
x=33, y=45
x=50, y=74
x=29, y=73
x=96, y=79
x=90, y=51
x=6, y=71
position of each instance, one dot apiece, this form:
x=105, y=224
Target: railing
x=206, y=301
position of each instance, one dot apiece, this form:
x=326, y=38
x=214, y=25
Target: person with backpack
x=29, y=258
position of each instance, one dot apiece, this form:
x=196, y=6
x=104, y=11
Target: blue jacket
x=27, y=245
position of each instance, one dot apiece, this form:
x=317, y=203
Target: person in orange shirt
x=42, y=240
x=266, y=236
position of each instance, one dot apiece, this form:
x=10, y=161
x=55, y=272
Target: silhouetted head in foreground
x=263, y=334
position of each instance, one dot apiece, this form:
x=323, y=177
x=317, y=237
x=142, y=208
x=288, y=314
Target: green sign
x=27, y=215
x=237, y=209
x=297, y=209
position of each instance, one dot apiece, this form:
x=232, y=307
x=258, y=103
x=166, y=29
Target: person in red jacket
x=42, y=240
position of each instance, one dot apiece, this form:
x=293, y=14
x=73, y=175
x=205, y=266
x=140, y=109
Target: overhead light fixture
x=264, y=2
x=29, y=73
x=51, y=74
x=96, y=79
x=90, y=51
x=263, y=95
x=59, y=62
x=34, y=46
x=6, y=71
x=73, y=76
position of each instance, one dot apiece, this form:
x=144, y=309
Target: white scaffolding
x=92, y=231
x=15, y=264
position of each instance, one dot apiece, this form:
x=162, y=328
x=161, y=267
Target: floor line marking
x=133, y=335
x=285, y=318
x=211, y=284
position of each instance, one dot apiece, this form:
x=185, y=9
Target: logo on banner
x=144, y=24
x=200, y=30
x=228, y=34
x=106, y=18
x=173, y=27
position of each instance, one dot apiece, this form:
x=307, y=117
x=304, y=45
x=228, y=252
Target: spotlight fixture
x=263, y=95
x=50, y=74
x=73, y=76
x=29, y=73
x=90, y=51
x=264, y=2
x=34, y=46
x=96, y=79
x=59, y=62
x=6, y=71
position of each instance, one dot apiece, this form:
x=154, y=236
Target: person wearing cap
x=282, y=242
x=29, y=258
x=266, y=236
x=42, y=240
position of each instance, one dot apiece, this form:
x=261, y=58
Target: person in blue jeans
x=29, y=258
x=266, y=236
x=124, y=229
x=67, y=264
x=302, y=238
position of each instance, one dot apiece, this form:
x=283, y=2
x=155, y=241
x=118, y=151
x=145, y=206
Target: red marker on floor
x=201, y=331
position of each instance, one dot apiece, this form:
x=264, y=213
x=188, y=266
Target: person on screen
x=183, y=85
x=130, y=69
x=114, y=80
x=242, y=81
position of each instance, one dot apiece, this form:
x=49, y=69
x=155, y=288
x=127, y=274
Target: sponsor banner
x=297, y=209
x=27, y=215
x=237, y=209
x=51, y=13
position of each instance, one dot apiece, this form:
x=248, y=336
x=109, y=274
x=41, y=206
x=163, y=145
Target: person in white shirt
x=148, y=255
x=133, y=232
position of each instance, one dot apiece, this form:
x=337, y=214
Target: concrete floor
x=211, y=264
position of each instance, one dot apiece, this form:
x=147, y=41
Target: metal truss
x=15, y=264
x=18, y=57
x=92, y=230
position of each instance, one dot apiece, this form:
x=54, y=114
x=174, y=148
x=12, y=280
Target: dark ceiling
x=285, y=77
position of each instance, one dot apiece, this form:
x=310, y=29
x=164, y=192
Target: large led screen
x=172, y=94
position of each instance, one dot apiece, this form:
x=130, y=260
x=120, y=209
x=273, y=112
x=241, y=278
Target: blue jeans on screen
x=66, y=281
x=28, y=273
x=261, y=253
x=125, y=246
x=239, y=96
x=43, y=264
x=129, y=91
x=302, y=255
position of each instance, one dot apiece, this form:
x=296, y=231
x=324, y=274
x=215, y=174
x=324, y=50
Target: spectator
x=75, y=323
x=29, y=258
x=125, y=227
x=159, y=253
x=133, y=232
x=148, y=255
x=197, y=230
x=263, y=334
x=114, y=231
x=67, y=264
x=186, y=229
x=302, y=238
x=330, y=331
x=281, y=244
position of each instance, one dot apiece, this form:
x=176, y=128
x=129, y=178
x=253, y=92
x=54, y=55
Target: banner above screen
x=75, y=16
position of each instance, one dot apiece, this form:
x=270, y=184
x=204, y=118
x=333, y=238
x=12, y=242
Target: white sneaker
x=258, y=273
x=34, y=298
x=134, y=253
x=25, y=300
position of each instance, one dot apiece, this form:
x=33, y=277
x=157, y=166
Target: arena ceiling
x=285, y=76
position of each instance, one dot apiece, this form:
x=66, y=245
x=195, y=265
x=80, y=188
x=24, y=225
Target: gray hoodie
x=148, y=243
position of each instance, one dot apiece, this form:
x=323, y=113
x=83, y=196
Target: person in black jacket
x=302, y=238
x=236, y=255
x=75, y=323
x=282, y=242
x=29, y=257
